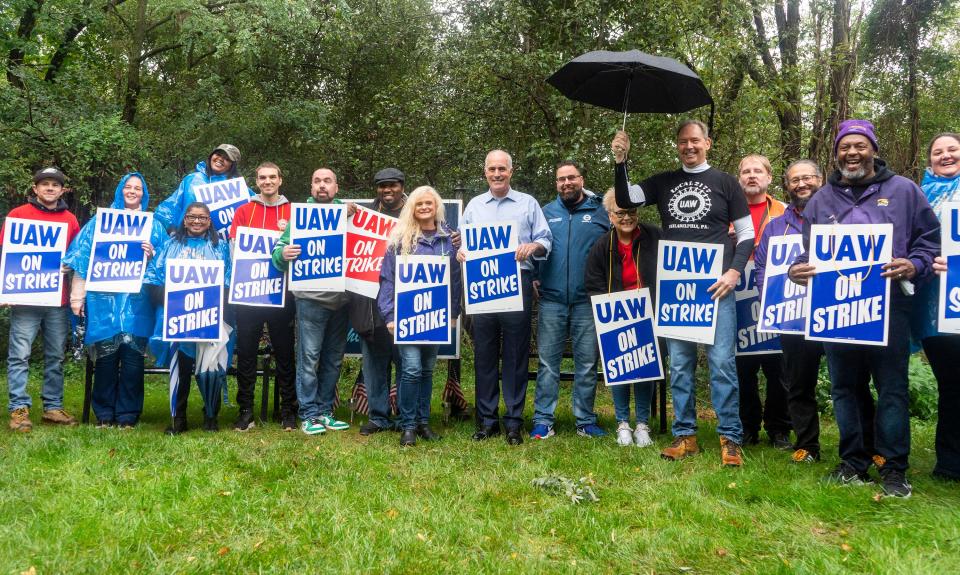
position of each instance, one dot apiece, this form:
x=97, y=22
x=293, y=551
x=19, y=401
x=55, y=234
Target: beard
x=855, y=175
x=799, y=202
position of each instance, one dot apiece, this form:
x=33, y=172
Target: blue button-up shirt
x=514, y=206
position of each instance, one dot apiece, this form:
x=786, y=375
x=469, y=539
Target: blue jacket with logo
x=574, y=233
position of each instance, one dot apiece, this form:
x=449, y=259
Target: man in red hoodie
x=268, y=210
x=46, y=204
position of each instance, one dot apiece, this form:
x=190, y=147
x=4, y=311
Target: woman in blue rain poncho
x=195, y=239
x=222, y=164
x=118, y=324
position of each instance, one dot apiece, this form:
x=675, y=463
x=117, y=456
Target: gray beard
x=854, y=176
x=800, y=203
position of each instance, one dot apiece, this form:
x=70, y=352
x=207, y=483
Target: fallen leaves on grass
x=31, y=571
x=732, y=485
x=223, y=551
x=226, y=493
x=576, y=490
x=392, y=513
x=846, y=547
x=721, y=552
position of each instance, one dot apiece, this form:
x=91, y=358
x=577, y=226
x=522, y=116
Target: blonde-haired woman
x=421, y=231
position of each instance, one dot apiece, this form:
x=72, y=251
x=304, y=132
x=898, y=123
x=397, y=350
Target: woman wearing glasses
x=625, y=259
x=194, y=239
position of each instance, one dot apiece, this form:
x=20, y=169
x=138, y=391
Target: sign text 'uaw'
x=684, y=308
x=223, y=198
x=254, y=281
x=491, y=280
x=368, y=233
x=627, y=337
x=319, y=230
x=32, y=254
x=193, y=300
x=422, y=300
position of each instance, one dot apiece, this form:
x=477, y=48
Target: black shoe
x=751, y=438
x=781, y=441
x=845, y=474
x=244, y=421
x=369, y=428
x=486, y=432
x=211, y=424
x=408, y=438
x=288, y=422
x=895, y=484
x=514, y=436
x=178, y=426
x=424, y=432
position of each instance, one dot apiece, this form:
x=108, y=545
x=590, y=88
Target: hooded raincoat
x=170, y=211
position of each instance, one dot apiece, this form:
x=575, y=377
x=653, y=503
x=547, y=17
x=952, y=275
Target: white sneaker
x=624, y=434
x=641, y=435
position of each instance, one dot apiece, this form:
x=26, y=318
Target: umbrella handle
x=626, y=98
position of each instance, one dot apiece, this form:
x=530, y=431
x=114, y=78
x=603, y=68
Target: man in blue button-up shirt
x=505, y=335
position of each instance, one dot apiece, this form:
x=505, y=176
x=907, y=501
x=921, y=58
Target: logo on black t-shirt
x=689, y=202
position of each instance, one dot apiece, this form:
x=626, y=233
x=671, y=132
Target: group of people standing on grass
x=576, y=246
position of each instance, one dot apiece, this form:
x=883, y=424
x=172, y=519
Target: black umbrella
x=631, y=81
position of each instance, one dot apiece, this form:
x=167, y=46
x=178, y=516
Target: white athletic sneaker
x=641, y=435
x=624, y=434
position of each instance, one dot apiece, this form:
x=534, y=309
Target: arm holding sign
x=939, y=265
x=923, y=244
x=541, y=237
x=385, y=301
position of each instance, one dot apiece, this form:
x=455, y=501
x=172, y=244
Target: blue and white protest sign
x=627, y=338
x=193, y=300
x=117, y=259
x=422, y=300
x=32, y=253
x=684, y=308
x=749, y=340
x=491, y=280
x=254, y=281
x=782, y=303
x=223, y=198
x=848, y=300
x=949, y=314
x=319, y=230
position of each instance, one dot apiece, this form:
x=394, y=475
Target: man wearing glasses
x=698, y=203
x=577, y=219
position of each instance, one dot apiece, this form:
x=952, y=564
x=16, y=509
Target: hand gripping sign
x=368, y=233
x=627, y=338
x=422, y=300
x=949, y=314
x=684, y=308
x=749, y=340
x=223, y=198
x=782, y=302
x=319, y=230
x=117, y=259
x=491, y=280
x=848, y=300
x=193, y=300
x=253, y=280
x=32, y=253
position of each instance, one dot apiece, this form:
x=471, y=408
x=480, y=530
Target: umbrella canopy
x=631, y=81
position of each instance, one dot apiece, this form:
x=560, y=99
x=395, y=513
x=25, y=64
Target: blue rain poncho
x=113, y=314
x=170, y=211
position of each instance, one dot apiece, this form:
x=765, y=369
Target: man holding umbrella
x=698, y=203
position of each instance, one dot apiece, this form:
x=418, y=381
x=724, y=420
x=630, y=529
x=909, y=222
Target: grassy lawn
x=107, y=501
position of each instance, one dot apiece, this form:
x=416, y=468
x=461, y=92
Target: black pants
x=506, y=337
x=772, y=412
x=279, y=321
x=943, y=352
x=801, y=367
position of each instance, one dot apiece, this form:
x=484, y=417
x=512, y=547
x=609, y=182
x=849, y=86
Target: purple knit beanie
x=862, y=127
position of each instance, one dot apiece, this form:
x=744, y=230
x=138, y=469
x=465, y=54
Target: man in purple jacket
x=862, y=190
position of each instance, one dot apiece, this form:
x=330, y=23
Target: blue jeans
x=25, y=322
x=377, y=355
x=849, y=366
x=118, y=384
x=642, y=396
x=557, y=321
x=416, y=384
x=321, y=339
x=724, y=386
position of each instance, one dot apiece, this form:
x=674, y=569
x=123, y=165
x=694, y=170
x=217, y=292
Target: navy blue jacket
x=574, y=233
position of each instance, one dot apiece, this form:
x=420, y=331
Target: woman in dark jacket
x=624, y=259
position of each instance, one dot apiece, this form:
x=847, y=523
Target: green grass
x=84, y=500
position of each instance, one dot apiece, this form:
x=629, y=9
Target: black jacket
x=604, y=271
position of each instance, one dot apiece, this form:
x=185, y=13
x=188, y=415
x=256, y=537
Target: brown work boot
x=682, y=446
x=730, y=453
x=58, y=417
x=20, y=420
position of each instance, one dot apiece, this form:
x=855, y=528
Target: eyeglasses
x=562, y=179
x=806, y=179
x=625, y=214
x=196, y=218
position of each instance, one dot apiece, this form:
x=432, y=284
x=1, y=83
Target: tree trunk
x=841, y=66
x=132, y=92
x=28, y=22
x=913, y=49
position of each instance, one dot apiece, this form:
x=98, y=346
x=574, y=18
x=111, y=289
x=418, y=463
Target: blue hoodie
x=110, y=314
x=170, y=211
x=574, y=233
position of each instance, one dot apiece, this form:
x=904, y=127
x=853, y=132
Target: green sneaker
x=332, y=424
x=313, y=426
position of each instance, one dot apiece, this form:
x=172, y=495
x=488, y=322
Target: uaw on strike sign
x=848, y=299
x=117, y=259
x=949, y=314
x=491, y=280
x=422, y=300
x=32, y=254
x=368, y=233
x=782, y=303
x=319, y=230
x=685, y=310
x=254, y=281
x=749, y=340
x=223, y=198
x=193, y=299
x=625, y=332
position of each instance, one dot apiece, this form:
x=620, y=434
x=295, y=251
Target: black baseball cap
x=50, y=173
x=387, y=175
